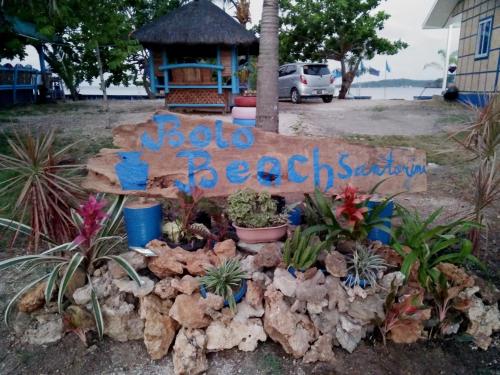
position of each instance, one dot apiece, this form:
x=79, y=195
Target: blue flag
x=337, y=73
x=361, y=70
x=374, y=72
x=387, y=67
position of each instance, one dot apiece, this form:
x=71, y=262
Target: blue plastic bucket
x=387, y=213
x=238, y=296
x=143, y=223
x=295, y=216
x=243, y=122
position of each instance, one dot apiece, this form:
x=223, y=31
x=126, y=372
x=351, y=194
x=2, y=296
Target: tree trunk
x=101, y=76
x=147, y=87
x=347, y=78
x=267, y=79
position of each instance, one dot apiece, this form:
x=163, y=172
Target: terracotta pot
x=245, y=101
x=259, y=235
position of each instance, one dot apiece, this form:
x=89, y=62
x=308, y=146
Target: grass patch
x=10, y=114
x=379, y=108
x=439, y=147
x=271, y=365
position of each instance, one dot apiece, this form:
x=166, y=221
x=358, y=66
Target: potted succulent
x=228, y=281
x=364, y=265
x=300, y=251
x=255, y=216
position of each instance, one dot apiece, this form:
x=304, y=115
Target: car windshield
x=316, y=70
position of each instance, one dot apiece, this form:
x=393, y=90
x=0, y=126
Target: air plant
x=43, y=185
x=95, y=244
x=364, y=265
x=224, y=279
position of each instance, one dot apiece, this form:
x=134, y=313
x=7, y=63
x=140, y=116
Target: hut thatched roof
x=196, y=23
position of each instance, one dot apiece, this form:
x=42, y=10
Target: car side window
x=281, y=71
x=291, y=69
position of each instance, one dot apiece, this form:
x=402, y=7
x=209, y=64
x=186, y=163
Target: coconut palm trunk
x=267, y=79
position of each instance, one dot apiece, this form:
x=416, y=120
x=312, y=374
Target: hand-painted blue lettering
x=293, y=175
x=342, y=164
x=200, y=136
x=237, y=171
x=204, y=183
x=219, y=135
x=271, y=176
x=318, y=167
x=240, y=143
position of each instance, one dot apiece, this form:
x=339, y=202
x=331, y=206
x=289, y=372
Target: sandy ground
x=88, y=122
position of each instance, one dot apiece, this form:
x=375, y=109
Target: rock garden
x=216, y=274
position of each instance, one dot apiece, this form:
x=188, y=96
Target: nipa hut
x=195, y=54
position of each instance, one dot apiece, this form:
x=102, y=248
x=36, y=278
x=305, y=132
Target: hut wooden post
x=235, y=81
x=152, y=77
x=165, y=72
x=219, y=73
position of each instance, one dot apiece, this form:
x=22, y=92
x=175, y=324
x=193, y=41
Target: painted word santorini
x=174, y=152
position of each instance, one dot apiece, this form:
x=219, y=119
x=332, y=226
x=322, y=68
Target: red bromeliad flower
x=93, y=215
x=350, y=208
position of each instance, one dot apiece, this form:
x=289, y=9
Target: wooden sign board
x=172, y=152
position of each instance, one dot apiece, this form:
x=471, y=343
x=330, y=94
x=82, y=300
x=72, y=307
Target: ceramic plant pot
x=377, y=234
x=349, y=281
x=245, y=101
x=238, y=296
x=259, y=235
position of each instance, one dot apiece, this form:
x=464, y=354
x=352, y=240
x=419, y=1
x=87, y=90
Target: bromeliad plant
x=95, y=244
x=224, y=280
x=301, y=251
x=425, y=245
x=364, y=266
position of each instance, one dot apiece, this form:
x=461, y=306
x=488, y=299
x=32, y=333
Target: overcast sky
x=407, y=18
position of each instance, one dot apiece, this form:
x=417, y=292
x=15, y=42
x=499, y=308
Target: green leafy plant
x=250, y=209
x=41, y=185
x=421, y=242
x=345, y=216
x=223, y=280
x=95, y=244
x=301, y=251
x=364, y=266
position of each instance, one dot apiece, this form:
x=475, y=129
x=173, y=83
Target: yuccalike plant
x=422, y=242
x=345, y=216
x=250, y=209
x=364, y=265
x=95, y=244
x=301, y=251
x=224, y=279
x=41, y=186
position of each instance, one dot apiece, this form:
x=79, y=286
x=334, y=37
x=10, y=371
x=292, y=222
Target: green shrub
x=301, y=250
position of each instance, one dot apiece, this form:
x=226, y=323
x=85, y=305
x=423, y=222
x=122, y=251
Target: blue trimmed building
x=196, y=53
x=478, y=69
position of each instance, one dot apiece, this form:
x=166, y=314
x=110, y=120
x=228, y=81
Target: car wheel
x=295, y=96
x=327, y=98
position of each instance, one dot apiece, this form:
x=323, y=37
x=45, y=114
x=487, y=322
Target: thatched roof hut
x=200, y=22
x=198, y=56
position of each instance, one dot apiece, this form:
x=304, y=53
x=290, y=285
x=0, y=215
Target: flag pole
x=385, y=79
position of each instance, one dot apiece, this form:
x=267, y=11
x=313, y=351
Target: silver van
x=303, y=80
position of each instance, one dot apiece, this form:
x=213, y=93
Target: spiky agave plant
x=224, y=279
x=97, y=239
x=301, y=250
x=40, y=185
x=364, y=266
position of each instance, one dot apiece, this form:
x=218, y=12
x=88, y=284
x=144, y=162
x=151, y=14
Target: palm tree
x=267, y=79
x=440, y=66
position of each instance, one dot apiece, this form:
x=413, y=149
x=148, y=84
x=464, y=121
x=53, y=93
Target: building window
x=483, y=38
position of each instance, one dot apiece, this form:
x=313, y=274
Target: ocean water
x=405, y=93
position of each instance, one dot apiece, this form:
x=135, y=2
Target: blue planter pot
x=132, y=171
x=142, y=224
x=349, y=281
x=238, y=296
x=295, y=216
x=387, y=213
x=293, y=271
x=244, y=122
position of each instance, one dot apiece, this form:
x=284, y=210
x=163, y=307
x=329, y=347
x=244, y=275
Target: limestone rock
x=131, y=286
x=326, y=322
x=365, y=310
x=255, y=294
x=293, y=331
x=484, y=321
x=316, y=307
x=255, y=248
x=393, y=279
x=225, y=250
x=189, y=352
x=489, y=292
x=44, y=329
x=262, y=278
x=190, y=311
x=321, y=350
x=268, y=256
x=159, y=327
x=187, y=285
x=164, y=289
x=246, y=311
x=103, y=287
x=242, y=333
x=33, y=299
x=121, y=322
x=456, y=274
x=299, y=307
x=336, y=264
x=349, y=334
x=79, y=317
x=136, y=260
x=248, y=265
x=337, y=295
x=285, y=282
x=212, y=302
x=312, y=289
